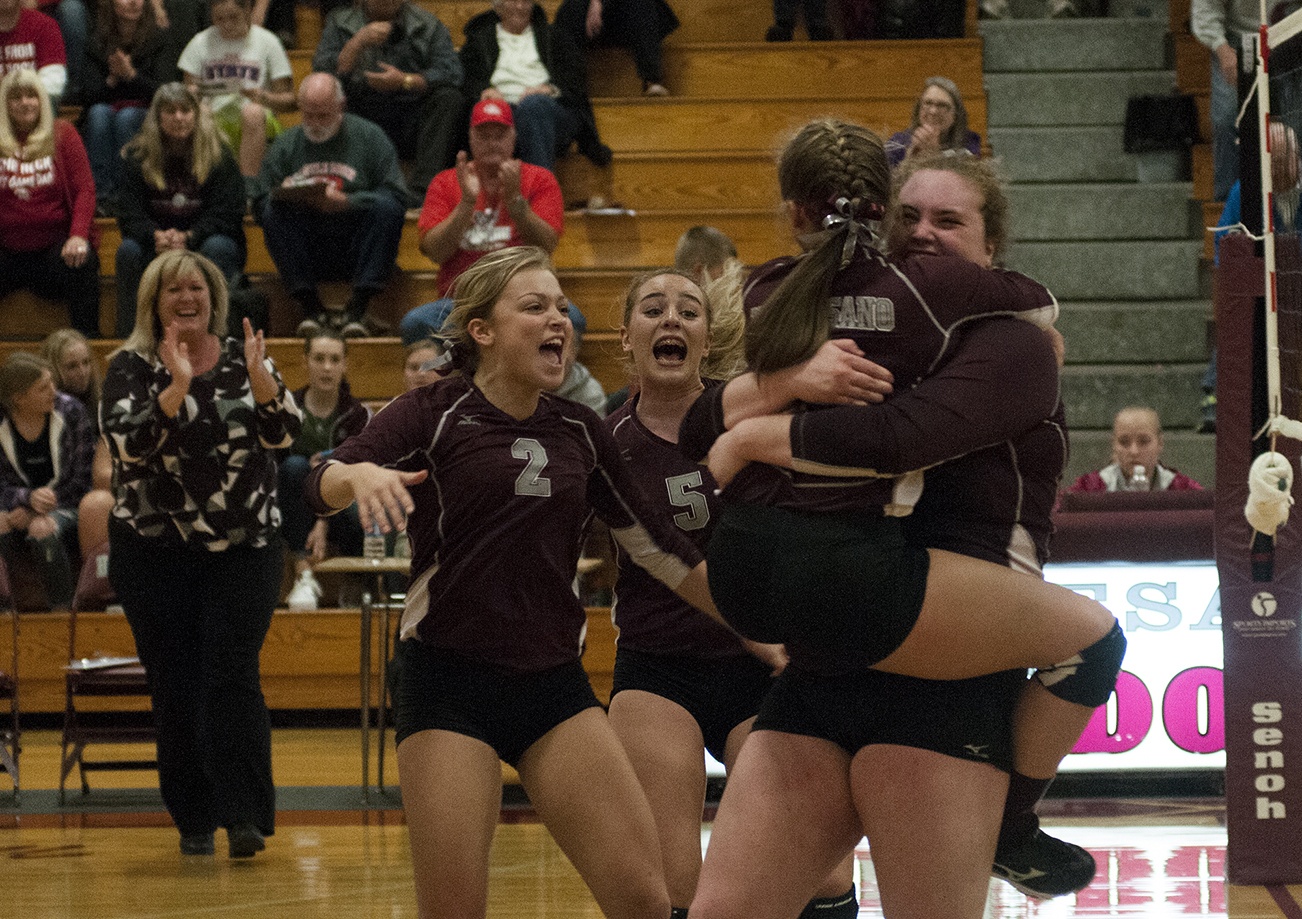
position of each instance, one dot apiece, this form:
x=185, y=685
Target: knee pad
x=1089, y=676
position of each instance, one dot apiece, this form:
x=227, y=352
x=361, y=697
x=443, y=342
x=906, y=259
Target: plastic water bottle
x=401, y=545
x=373, y=543
x=1138, y=480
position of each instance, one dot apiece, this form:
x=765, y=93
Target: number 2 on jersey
x=531, y=481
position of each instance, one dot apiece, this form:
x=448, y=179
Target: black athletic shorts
x=720, y=693
x=507, y=709
x=968, y=719
x=846, y=588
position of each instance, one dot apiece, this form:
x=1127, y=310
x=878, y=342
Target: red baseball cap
x=491, y=111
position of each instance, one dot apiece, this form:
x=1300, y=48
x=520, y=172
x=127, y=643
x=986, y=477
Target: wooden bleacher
x=1193, y=76
x=704, y=155
x=309, y=661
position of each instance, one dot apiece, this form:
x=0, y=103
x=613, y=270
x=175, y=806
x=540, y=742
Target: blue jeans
x=107, y=131
x=297, y=519
x=1225, y=135
x=358, y=245
x=73, y=17
x=543, y=129
x=130, y=267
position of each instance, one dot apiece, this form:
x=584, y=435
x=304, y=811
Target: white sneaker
x=305, y=593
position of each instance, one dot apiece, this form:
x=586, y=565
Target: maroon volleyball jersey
x=499, y=521
x=650, y=617
x=910, y=316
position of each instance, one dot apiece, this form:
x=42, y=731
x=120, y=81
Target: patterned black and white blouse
x=205, y=479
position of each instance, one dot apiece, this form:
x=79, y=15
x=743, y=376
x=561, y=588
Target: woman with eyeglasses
x=939, y=124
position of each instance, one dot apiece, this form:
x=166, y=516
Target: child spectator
x=244, y=73
x=75, y=369
x=46, y=445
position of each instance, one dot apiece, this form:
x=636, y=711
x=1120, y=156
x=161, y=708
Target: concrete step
x=1094, y=393
x=1062, y=154
x=1152, y=270
x=1089, y=10
x=1104, y=211
x=1141, y=331
x=1192, y=454
x=1061, y=99
x=1038, y=45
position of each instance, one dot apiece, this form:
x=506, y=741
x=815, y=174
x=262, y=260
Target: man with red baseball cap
x=488, y=201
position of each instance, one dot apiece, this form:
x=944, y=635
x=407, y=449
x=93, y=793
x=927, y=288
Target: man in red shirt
x=488, y=201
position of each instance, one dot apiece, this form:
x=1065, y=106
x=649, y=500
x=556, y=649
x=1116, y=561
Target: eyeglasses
x=937, y=104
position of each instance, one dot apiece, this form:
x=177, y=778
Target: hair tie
x=848, y=218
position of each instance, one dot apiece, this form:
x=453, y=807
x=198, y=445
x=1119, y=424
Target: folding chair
x=104, y=676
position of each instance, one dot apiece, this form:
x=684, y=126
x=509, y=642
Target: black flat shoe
x=197, y=844
x=245, y=840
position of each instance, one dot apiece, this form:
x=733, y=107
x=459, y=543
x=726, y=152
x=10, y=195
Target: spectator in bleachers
x=705, y=253
x=939, y=123
x=579, y=385
x=512, y=54
x=331, y=201
x=75, y=369
x=488, y=201
x=784, y=20
x=420, y=366
x=76, y=373
x=74, y=18
x=1220, y=25
x=129, y=57
x=399, y=70
x=278, y=16
x=1136, y=445
x=181, y=189
x=30, y=40
x=638, y=25
x=331, y=414
x=46, y=446
x=47, y=204
x=243, y=73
